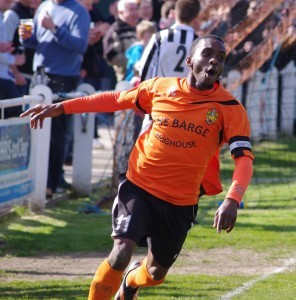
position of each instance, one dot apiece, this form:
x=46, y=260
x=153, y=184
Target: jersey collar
x=190, y=89
x=181, y=26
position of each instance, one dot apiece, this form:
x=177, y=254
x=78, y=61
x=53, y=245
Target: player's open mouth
x=211, y=72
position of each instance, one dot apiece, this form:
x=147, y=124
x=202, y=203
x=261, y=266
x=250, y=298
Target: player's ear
x=189, y=62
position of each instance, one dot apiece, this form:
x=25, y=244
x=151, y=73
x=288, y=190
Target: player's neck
x=177, y=22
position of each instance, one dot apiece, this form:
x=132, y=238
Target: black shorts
x=142, y=217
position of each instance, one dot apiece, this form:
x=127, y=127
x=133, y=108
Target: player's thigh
x=170, y=231
x=130, y=213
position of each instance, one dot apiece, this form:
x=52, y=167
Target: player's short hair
x=197, y=41
x=145, y=26
x=187, y=10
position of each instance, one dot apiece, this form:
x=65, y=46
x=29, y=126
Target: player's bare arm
x=225, y=216
x=40, y=112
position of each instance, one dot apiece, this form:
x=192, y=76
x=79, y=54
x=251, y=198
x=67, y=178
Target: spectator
x=120, y=36
x=7, y=81
x=239, y=12
x=167, y=49
x=236, y=56
x=21, y=9
x=59, y=37
x=108, y=9
x=224, y=23
x=167, y=14
x=156, y=9
x=94, y=66
x=146, y=11
x=5, y=47
x=158, y=198
x=144, y=30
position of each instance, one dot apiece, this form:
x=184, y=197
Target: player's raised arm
x=101, y=102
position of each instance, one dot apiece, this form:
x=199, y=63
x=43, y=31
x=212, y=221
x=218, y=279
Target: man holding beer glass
x=21, y=12
x=60, y=37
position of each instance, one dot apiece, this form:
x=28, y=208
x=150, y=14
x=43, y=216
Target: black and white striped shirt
x=166, y=52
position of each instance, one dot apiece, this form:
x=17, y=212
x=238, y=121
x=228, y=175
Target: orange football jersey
x=170, y=158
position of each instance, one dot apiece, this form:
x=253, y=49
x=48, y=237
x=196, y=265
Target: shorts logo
x=122, y=223
x=211, y=116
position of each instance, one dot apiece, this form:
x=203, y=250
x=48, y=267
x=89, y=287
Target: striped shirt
x=166, y=52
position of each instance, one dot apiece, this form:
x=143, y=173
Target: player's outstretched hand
x=226, y=215
x=40, y=112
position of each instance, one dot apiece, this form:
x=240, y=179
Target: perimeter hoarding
x=16, y=160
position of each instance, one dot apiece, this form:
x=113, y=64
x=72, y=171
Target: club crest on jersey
x=172, y=91
x=211, y=116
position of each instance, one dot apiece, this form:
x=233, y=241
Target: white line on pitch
x=249, y=284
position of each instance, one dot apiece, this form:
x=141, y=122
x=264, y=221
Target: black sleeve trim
x=239, y=138
x=229, y=102
x=239, y=153
x=139, y=106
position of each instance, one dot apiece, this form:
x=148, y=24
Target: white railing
x=26, y=182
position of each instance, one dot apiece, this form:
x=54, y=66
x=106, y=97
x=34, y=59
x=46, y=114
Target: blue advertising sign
x=16, y=191
x=16, y=179
x=14, y=148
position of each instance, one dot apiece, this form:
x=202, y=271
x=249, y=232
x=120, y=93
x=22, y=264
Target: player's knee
x=156, y=278
x=157, y=274
x=121, y=254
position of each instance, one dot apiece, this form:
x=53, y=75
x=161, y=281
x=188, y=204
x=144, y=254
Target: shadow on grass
x=15, y=272
x=57, y=231
x=42, y=290
x=272, y=228
x=193, y=287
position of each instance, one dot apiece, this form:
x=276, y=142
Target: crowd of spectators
x=78, y=41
